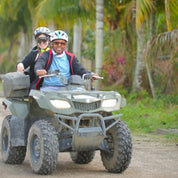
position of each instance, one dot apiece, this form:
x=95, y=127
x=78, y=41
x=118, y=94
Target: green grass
x=145, y=116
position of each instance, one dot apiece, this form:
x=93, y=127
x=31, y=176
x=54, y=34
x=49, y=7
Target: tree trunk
x=152, y=33
x=24, y=45
x=140, y=64
x=99, y=39
x=33, y=38
x=77, y=31
x=20, y=54
x=152, y=23
x=134, y=35
x=134, y=15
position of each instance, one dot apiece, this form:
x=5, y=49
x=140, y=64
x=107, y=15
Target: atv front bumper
x=86, y=137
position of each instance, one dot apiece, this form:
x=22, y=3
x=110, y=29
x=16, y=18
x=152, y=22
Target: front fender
x=17, y=126
x=17, y=108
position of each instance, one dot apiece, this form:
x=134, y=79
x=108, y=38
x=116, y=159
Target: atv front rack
x=91, y=116
x=83, y=137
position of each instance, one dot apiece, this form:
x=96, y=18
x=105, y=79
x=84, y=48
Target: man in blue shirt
x=57, y=58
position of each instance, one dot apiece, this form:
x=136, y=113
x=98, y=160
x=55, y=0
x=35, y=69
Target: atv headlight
x=60, y=104
x=109, y=103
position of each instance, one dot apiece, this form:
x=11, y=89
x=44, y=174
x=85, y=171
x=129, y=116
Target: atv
x=75, y=119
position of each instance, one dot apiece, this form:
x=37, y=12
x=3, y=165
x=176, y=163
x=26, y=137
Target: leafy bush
x=146, y=115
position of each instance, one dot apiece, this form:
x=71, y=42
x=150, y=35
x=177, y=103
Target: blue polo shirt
x=59, y=62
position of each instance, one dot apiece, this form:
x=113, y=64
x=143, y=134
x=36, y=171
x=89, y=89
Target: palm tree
x=159, y=41
x=142, y=9
x=77, y=38
x=99, y=39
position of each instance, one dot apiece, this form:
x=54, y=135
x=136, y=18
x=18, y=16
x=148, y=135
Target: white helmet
x=42, y=30
x=59, y=35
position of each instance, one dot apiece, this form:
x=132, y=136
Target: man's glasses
x=59, y=43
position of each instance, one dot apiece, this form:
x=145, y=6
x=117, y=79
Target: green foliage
x=88, y=49
x=64, y=12
x=7, y=66
x=143, y=9
x=146, y=115
x=118, y=58
x=174, y=15
x=160, y=21
x=168, y=99
x=14, y=18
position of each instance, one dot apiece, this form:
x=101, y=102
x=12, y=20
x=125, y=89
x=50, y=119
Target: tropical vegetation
x=132, y=43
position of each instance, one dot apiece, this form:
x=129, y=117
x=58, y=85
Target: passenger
x=57, y=58
x=42, y=37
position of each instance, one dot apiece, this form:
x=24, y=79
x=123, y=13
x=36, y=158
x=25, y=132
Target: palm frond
x=143, y=9
x=169, y=39
x=10, y=9
x=62, y=12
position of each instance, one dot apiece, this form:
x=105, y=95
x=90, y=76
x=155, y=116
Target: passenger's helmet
x=59, y=35
x=42, y=30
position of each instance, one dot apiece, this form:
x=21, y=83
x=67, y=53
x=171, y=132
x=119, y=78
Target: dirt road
x=152, y=158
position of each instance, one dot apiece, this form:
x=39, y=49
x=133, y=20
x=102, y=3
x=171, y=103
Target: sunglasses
x=57, y=43
x=39, y=41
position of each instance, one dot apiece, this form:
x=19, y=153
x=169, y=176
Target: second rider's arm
x=40, y=64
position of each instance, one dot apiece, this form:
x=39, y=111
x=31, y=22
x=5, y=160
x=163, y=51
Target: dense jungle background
x=133, y=44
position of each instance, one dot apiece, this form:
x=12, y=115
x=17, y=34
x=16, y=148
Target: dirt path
x=152, y=158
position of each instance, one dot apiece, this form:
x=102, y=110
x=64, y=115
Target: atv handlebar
x=51, y=73
x=90, y=76
x=87, y=76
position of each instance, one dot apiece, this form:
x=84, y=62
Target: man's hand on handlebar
x=91, y=76
x=95, y=76
x=41, y=72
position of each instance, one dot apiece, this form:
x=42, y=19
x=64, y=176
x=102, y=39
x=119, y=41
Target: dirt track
x=152, y=158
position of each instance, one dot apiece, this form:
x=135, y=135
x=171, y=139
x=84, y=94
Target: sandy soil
x=152, y=158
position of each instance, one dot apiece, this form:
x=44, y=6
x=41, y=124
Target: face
x=42, y=41
x=59, y=45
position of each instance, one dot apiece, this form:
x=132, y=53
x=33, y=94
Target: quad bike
x=74, y=119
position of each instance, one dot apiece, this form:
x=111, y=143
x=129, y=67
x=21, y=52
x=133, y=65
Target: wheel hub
x=36, y=148
x=5, y=140
x=110, y=143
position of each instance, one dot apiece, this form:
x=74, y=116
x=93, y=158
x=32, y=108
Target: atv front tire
x=82, y=157
x=10, y=154
x=43, y=147
x=120, y=148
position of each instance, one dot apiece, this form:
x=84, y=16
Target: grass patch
x=147, y=115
